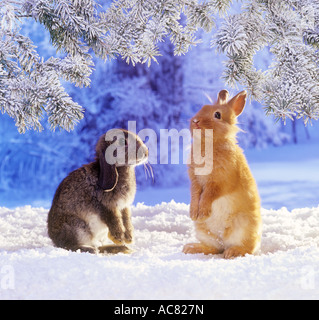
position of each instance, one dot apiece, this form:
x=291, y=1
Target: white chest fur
x=219, y=219
x=212, y=231
x=99, y=230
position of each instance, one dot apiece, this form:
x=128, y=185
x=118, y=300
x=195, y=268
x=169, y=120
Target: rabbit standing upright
x=225, y=204
x=93, y=202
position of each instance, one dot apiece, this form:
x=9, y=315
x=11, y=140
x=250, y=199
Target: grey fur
x=93, y=202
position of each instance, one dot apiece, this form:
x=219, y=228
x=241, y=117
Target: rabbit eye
x=218, y=115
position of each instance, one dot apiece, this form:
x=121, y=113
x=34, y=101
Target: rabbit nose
x=196, y=120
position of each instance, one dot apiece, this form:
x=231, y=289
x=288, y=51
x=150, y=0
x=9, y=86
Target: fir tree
x=30, y=87
x=131, y=29
x=289, y=30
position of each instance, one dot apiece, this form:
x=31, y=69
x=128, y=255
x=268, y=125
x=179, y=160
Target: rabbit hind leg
x=114, y=249
x=74, y=235
x=197, y=248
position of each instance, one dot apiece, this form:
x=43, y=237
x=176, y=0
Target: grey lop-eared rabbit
x=93, y=203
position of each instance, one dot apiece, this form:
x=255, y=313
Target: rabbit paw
x=204, y=212
x=197, y=248
x=234, y=252
x=117, y=237
x=128, y=236
x=194, y=212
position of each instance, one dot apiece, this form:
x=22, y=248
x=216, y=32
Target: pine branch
x=132, y=30
x=289, y=88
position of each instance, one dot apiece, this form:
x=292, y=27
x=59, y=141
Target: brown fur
x=225, y=204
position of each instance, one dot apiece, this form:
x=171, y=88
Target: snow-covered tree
x=289, y=29
x=130, y=29
x=30, y=86
x=152, y=96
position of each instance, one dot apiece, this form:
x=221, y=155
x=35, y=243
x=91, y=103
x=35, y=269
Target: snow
x=33, y=164
x=287, y=266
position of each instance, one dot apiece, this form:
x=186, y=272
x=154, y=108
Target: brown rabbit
x=93, y=202
x=225, y=205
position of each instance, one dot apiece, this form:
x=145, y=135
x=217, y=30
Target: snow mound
x=287, y=266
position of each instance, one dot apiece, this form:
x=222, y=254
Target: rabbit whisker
x=151, y=171
x=146, y=171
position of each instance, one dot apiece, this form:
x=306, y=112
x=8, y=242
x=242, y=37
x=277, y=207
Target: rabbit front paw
x=204, y=211
x=128, y=236
x=117, y=237
x=194, y=212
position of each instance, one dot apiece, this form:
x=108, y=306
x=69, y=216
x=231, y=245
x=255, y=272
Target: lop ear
x=238, y=103
x=223, y=97
x=108, y=177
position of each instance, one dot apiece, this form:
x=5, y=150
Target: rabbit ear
x=238, y=103
x=109, y=176
x=223, y=97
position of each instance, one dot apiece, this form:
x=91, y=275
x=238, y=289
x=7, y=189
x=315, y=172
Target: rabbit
x=225, y=204
x=93, y=202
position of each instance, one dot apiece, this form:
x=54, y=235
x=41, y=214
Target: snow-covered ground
x=287, y=266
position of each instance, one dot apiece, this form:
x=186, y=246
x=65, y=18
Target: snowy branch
x=289, y=30
x=133, y=29
x=130, y=29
